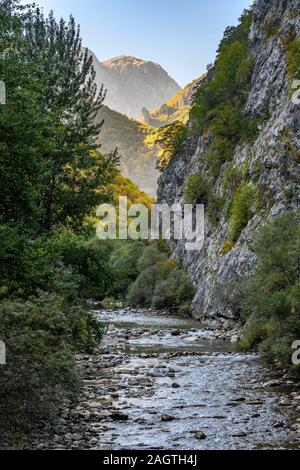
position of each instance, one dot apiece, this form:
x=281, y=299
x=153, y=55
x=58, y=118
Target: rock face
x=273, y=153
x=133, y=84
x=176, y=109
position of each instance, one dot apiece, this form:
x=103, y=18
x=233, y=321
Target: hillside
x=138, y=161
x=133, y=84
x=176, y=109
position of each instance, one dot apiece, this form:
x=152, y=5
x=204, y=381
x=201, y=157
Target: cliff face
x=176, y=109
x=272, y=159
x=133, y=84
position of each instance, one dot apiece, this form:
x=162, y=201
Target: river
x=161, y=382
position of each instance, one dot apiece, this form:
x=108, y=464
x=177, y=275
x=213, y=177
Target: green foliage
x=89, y=258
x=271, y=26
x=219, y=102
x=137, y=159
x=272, y=320
x=41, y=336
x=245, y=204
x=197, y=189
x=122, y=186
x=124, y=264
x=176, y=291
x=227, y=247
x=293, y=59
x=160, y=283
x=64, y=263
x=52, y=178
x=51, y=171
x=290, y=143
x=169, y=139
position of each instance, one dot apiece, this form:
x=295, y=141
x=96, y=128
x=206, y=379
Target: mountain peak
x=134, y=83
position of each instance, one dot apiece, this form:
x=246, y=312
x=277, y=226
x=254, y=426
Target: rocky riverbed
x=162, y=382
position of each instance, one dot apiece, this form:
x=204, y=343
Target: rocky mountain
x=242, y=158
x=133, y=84
x=176, y=109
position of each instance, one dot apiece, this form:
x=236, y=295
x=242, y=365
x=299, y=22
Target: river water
x=174, y=386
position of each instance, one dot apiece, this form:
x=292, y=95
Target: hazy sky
x=181, y=35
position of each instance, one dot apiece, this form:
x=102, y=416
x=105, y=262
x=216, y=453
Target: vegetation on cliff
x=269, y=302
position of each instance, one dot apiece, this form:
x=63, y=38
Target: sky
x=181, y=35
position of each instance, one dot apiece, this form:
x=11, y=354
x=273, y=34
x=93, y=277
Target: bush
x=88, y=258
x=160, y=283
x=41, y=335
x=174, y=292
x=219, y=102
x=169, y=139
x=293, y=59
x=244, y=205
x=124, y=264
x=227, y=247
x=197, y=190
x=271, y=302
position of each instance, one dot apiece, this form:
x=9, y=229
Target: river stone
x=200, y=435
x=117, y=416
x=167, y=418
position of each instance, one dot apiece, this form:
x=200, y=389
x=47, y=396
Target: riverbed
x=163, y=382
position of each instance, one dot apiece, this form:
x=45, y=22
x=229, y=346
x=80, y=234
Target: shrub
x=271, y=26
x=124, y=264
x=272, y=320
x=244, y=205
x=174, y=292
x=28, y=266
x=227, y=247
x=219, y=102
x=169, y=139
x=197, y=189
x=161, y=283
x=215, y=208
x=41, y=335
x=293, y=59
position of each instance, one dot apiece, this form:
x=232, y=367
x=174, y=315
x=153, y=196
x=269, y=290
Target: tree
x=270, y=304
x=52, y=170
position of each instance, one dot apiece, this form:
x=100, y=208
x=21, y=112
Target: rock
x=175, y=332
x=118, y=416
x=191, y=339
x=237, y=399
x=93, y=441
x=175, y=385
x=200, y=435
x=167, y=418
x=234, y=339
x=272, y=383
x=270, y=164
x=278, y=424
x=238, y=434
x=255, y=402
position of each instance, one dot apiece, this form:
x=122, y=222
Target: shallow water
x=169, y=399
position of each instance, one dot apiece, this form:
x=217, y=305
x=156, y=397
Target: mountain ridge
x=133, y=84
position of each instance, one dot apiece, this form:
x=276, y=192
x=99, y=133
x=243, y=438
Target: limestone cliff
x=272, y=159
